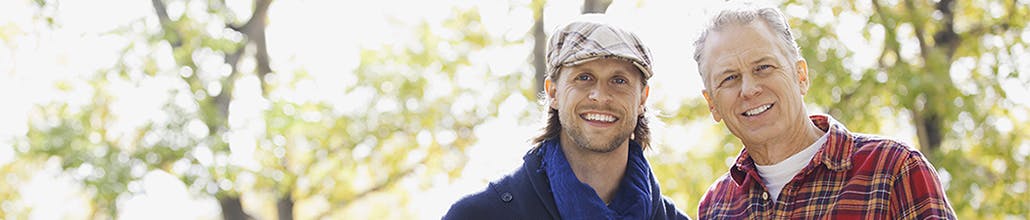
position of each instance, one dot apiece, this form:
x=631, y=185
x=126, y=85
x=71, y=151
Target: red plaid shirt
x=853, y=176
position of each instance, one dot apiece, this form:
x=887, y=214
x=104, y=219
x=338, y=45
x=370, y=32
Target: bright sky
x=319, y=36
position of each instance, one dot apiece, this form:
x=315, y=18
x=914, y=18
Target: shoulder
x=871, y=142
x=502, y=198
x=887, y=154
x=880, y=145
x=474, y=206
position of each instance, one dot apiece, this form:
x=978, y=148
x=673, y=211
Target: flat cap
x=590, y=37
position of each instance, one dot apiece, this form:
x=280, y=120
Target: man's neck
x=602, y=171
x=774, y=151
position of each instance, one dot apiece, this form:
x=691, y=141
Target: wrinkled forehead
x=739, y=43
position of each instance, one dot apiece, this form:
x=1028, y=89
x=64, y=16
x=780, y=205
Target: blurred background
x=394, y=109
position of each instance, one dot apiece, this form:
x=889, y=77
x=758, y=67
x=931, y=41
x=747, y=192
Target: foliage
x=406, y=116
x=406, y=112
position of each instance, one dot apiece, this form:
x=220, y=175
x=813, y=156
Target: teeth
x=758, y=110
x=599, y=117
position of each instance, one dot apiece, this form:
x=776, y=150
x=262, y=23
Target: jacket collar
x=835, y=153
x=538, y=179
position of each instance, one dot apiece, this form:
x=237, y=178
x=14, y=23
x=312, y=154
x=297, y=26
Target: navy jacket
x=525, y=194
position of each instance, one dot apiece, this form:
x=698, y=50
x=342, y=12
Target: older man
x=796, y=165
x=588, y=163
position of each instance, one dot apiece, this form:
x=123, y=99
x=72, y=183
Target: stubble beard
x=583, y=142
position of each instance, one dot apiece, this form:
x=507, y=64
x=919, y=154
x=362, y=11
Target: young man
x=588, y=164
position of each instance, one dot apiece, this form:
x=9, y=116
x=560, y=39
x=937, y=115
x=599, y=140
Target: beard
x=596, y=144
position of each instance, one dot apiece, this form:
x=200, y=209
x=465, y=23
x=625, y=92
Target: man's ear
x=643, y=98
x=802, y=73
x=711, y=108
x=550, y=90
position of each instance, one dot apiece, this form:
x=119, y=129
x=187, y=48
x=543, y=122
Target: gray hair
x=745, y=13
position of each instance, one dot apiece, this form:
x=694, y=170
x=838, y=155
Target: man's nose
x=600, y=93
x=749, y=87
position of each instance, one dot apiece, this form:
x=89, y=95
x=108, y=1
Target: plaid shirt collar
x=835, y=153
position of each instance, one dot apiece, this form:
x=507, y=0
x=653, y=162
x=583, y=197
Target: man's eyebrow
x=716, y=77
x=763, y=59
x=627, y=71
x=725, y=71
x=576, y=70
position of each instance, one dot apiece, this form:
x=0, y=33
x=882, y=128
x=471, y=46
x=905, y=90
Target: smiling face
x=752, y=83
x=598, y=103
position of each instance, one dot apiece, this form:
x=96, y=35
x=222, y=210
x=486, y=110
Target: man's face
x=752, y=83
x=598, y=102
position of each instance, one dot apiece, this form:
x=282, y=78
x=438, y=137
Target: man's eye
x=619, y=81
x=731, y=77
x=763, y=67
x=583, y=77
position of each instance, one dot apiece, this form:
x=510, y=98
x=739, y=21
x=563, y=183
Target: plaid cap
x=590, y=37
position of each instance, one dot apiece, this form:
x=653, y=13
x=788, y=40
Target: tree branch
x=891, y=44
x=254, y=29
x=258, y=15
x=917, y=25
x=166, y=22
x=539, y=46
x=946, y=37
x=595, y=6
x=224, y=97
x=162, y=12
x=390, y=181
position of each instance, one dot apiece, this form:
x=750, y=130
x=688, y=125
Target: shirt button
x=765, y=196
x=506, y=197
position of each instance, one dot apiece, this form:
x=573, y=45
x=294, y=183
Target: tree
x=408, y=118
x=185, y=38
x=79, y=137
x=421, y=119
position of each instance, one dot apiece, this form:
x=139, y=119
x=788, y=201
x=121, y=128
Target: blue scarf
x=577, y=200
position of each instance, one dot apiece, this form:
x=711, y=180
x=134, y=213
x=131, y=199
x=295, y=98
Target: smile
x=758, y=110
x=597, y=117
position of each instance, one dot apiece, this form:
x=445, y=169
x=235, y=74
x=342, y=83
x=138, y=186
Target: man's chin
x=597, y=141
x=601, y=149
x=597, y=145
x=757, y=138
x=748, y=134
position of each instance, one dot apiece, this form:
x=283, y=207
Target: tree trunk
x=539, y=45
x=937, y=57
x=595, y=6
x=928, y=129
x=232, y=208
x=285, y=207
x=257, y=34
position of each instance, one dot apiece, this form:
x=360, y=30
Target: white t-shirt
x=775, y=176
